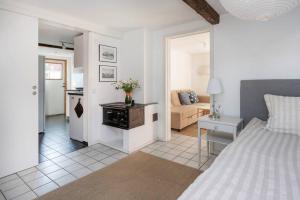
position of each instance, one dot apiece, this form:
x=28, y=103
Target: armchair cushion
x=184, y=98
x=193, y=97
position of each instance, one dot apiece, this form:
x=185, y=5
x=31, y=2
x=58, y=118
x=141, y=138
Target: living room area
x=189, y=66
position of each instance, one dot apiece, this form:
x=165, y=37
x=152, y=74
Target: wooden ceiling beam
x=205, y=10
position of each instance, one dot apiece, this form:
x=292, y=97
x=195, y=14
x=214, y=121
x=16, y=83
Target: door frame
x=65, y=62
x=167, y=109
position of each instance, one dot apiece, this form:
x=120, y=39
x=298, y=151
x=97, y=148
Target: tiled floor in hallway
x=58, y=171
x=56, y=140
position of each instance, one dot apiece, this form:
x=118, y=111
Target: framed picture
x=107, y=73
x=107, y=54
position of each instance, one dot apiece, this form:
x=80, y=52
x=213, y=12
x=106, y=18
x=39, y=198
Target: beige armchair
x=185, y=115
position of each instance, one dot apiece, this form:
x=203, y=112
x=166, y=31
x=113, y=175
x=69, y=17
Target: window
x=54, y=71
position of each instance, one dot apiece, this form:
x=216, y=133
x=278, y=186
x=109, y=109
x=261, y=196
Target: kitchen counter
x=122, y=105
x=76, y=93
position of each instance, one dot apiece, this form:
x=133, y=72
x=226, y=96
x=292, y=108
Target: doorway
x=188, y=70
x=55, y=86
x=57, y=64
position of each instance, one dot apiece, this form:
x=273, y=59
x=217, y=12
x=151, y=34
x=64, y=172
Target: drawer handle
x=216, y=128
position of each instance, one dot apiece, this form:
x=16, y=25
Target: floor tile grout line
x=40, y=177
x=83, y=160
x=65, y=176
x=59, y=169
x=26, y=185
x=182, y=151
x=99, y=152
x=8, y=180
x=3, y=194
x=12, y=180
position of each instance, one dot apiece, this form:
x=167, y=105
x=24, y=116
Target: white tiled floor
x=182, y=149
x=58, y=171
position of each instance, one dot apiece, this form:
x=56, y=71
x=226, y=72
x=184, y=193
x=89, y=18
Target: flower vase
x=128, y=99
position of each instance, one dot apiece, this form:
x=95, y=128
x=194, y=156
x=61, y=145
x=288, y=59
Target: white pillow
x=284, y=114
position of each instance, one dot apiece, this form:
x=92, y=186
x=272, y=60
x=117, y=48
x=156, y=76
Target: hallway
x=56, y=141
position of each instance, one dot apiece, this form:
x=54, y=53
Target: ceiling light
x=261, y=10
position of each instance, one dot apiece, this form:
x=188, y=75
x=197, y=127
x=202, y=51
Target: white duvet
x=259, y=165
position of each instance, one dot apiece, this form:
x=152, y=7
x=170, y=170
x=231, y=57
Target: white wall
x=181, y=70
x=137, y=64
x=77, y=80
x=133, y=52
x=133, y=62
x=189, y=71
x=200, y=71
x=18, y=106
x=98, y=92
x=149, y=77
x=255, y=50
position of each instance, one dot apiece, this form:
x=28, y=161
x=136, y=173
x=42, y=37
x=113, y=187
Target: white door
x=18, y=97
x=55, y=71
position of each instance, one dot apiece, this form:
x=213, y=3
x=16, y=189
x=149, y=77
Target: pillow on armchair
x=193, y=97
x=175, y=99
x=184, y=98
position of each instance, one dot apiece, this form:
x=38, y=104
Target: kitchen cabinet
x=79, y=52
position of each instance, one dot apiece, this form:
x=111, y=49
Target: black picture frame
x=113, y=79
x=113, y=51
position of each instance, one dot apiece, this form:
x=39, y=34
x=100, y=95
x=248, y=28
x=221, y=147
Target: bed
x=260, y=164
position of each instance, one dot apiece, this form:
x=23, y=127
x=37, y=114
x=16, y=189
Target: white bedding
x=259, y=165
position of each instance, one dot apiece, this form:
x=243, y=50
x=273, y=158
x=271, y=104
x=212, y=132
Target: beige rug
x=138, y=176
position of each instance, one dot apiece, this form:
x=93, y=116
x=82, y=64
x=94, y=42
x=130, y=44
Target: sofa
x=185, y=115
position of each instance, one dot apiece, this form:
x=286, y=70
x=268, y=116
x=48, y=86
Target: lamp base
x=214, y=116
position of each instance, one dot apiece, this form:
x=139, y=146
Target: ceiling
x=193, y=44
x=124, y=15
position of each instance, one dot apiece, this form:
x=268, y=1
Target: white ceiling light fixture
x=261, y=10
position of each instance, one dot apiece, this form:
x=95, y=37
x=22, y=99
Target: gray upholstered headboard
x=253, y=91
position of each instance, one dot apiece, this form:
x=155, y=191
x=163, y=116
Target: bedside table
x=226, y=125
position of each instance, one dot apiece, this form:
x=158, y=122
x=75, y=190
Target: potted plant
x=127, y=87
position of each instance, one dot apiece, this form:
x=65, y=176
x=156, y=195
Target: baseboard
x=129, y=152
x=85, y=143
x=142, y=146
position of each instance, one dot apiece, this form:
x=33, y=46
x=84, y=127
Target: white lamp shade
x=214, y=87
x=261, y=10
